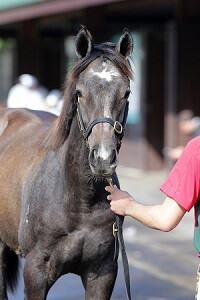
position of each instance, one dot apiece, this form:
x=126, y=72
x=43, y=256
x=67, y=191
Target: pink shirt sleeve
x=183, y=182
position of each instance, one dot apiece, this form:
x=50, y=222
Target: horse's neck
x=77, y=170
x=81, y=190
x=76, y=151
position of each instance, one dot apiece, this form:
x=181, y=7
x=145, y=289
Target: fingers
x=110, y=189
x=109, y=198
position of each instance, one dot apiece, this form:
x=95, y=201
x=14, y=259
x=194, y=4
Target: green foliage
x=6, y=43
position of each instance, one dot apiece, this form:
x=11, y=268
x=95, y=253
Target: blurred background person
x=54, y=102
x=26, y=93
x=189, y=127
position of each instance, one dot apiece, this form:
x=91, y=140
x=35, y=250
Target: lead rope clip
x=115, y=229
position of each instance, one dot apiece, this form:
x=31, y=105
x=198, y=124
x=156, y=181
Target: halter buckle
x=118, y=127
x=115, y=229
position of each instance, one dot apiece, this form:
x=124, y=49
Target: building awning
x=20, y=10
x=7, y=4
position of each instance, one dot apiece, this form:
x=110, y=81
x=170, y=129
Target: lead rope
x=118, y=234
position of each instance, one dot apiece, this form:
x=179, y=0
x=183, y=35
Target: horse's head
x=102, y=92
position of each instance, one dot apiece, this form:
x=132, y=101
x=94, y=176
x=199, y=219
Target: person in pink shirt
x=182, y=189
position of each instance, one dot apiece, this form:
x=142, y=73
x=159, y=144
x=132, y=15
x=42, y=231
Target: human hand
x=120, y=201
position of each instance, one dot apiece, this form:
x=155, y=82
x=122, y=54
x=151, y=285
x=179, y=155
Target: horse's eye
x=127, y=94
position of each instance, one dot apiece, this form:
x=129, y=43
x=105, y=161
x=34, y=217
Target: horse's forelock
x=106, y=51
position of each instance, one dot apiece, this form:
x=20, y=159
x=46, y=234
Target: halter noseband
x=118, y=127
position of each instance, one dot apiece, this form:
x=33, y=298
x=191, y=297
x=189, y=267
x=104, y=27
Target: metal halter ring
x=118, y=127
x=115, y=229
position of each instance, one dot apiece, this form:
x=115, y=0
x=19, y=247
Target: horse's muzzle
x=103, y=160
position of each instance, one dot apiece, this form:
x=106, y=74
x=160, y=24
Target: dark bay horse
x=53, y=207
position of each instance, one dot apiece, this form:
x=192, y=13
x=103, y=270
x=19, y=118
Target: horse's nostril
x=113, y=158
x=93, y=156
x=103, y=159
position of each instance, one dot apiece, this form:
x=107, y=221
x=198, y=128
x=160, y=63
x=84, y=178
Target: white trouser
x=197, y=296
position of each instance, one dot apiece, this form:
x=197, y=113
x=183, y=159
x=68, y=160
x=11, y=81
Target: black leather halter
x=118, y=127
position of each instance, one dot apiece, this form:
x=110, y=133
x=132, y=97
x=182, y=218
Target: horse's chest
x=92, y=234
x=83, y=247
x=90, y=242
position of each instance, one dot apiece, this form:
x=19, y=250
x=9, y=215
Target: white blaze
x=27, y=213
x=106, y=74
x=103, y=153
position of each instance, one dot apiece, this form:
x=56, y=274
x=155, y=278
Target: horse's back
x=23, y=127
x=21, y=132
x=16, y=118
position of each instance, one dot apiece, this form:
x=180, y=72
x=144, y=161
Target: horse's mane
x=59, y=131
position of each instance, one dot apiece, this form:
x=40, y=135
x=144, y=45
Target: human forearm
x=164, y=217
x=151, y=216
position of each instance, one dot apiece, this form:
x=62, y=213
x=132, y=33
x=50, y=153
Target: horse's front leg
x=99, y=283
x=35, y=276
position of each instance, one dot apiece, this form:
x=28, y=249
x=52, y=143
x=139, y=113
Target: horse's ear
x=83, y=43
x=125, y=44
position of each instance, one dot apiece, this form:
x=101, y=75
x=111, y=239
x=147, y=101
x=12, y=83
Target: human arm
x=163, y=217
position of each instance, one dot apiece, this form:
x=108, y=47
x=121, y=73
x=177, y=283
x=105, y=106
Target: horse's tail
x=11, y=268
